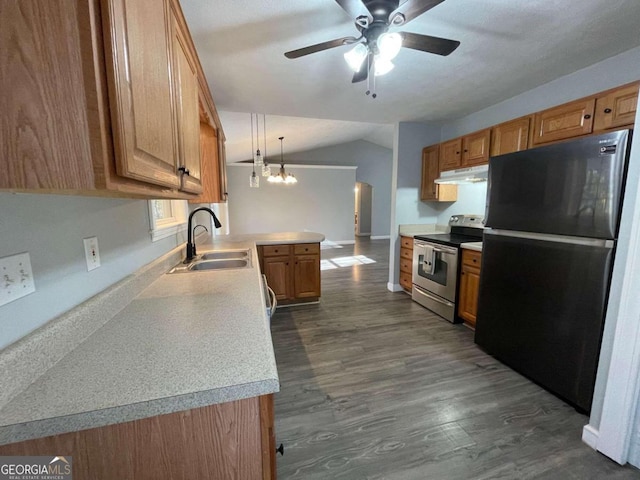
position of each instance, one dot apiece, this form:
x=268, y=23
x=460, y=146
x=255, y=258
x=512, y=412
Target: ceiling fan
x=376, y=46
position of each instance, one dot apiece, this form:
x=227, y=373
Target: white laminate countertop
x=477, y=246
x=187, y=341
x=411, y=230
x=270, y=238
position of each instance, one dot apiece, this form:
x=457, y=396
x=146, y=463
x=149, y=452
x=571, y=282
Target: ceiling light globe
x=382, y=66
x=389, y=45
x=356, y=56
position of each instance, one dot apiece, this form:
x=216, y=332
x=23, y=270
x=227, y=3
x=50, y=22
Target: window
x=167, y=217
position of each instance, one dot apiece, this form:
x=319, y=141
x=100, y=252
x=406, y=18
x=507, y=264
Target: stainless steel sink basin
x=219, y=264
x=224, y=260
x=239, y=254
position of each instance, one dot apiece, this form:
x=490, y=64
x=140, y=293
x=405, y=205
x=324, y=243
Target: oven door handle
x=434, y=298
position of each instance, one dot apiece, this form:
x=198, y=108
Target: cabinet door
x=475, y=148
x=307, y=276
x=210, y=166
x=510, y=137
x=469, y=287
x=278, y=275
x=566, y=121
x=137, y=55
x=430, y=171
x=450, y=154
x=616, y=109
x=185, y=83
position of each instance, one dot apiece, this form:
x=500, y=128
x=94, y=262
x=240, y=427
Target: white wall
x=322, y=201
x=374, y=167
x=51, y=229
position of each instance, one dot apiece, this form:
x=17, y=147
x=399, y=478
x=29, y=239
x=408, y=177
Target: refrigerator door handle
x=590, y=242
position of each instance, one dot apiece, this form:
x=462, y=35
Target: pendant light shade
x=389, y=45
x=254, y=180
x=282, y=176
x=266, y=169
x=356, y=56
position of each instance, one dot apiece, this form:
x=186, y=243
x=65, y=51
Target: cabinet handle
x=587, y=116
x=475, y=260
x=184, y=170
x=607, y=110
x=465, y=150
x=457, y=153
x=280, y=449
x=461, y=273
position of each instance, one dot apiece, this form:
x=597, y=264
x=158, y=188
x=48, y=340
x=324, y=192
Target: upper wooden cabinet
x=616, y=108
x=430, y=191
x=138, y=59
x=115, y=113
x=450, y=156
x=185, y=78
x=566, y=121
x=475, y=148
x=510, y=137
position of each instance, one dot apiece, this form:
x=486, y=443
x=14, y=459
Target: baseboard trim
x=345, y=242
x=380, y=237
x=590, y=436
x=394, y=287
x=363, y=234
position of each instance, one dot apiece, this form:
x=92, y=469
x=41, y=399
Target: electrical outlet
x=16, y=277
x=91, y=253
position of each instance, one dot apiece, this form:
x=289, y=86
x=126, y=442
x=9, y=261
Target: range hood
x=464, y=175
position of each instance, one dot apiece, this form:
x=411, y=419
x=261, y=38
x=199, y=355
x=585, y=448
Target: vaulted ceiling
x=507, y=47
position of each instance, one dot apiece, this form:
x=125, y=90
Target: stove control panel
x=468, y=220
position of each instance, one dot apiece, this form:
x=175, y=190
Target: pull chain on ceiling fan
x=376, y=46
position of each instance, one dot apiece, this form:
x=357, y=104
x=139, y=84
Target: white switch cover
x=91, y=253
x=16, y=277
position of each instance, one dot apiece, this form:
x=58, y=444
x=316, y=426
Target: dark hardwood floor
x=373, y=386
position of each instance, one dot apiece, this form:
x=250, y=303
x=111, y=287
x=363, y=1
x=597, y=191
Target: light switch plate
x=16, y=277
x=91, y=253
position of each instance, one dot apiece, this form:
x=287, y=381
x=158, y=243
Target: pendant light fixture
x=254, y=180
x=266, y=170
x=282, y=176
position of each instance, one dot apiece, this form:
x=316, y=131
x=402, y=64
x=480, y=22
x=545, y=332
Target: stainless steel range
x=436, y=265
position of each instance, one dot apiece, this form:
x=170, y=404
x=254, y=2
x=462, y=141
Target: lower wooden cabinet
x=233, y=440
x=469, y=286
x=406, y=262
x=292, y=271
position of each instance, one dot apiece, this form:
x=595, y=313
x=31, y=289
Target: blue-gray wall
x=374, y=167
x=51, y=229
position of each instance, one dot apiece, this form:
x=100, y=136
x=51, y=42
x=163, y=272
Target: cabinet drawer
x=406, y=265
x=406, y=253
x=276, y=250
x=405, y=280
x=471, y=258
x=406, y=242
x=306, y=248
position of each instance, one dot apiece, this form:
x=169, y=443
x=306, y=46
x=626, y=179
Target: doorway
x=364, y=193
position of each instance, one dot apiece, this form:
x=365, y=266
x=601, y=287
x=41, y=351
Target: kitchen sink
x=219, y=264
x=236, y=254
x=210, y=262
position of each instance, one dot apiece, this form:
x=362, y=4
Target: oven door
x=435, y=268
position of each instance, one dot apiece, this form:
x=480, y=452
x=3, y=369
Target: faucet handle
x=184, y=170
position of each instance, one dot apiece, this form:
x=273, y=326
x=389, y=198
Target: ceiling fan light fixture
x=382, y=66
x=356, y=56
x=389, y=45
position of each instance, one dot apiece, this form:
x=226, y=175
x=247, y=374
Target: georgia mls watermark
x=35, y=468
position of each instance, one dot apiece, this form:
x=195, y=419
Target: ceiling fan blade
x=413, y=8
x=429, y=44
x=362, y=74
x=338, y=42
x=355, y=8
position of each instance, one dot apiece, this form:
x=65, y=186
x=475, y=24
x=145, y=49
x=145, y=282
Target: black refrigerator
x=552, y=215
